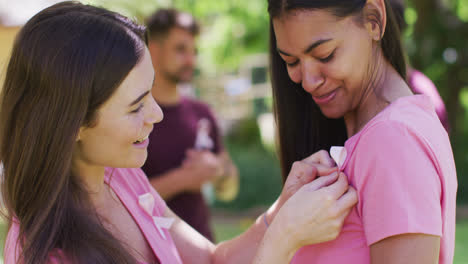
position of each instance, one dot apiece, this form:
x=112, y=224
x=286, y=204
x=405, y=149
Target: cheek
x=295, y=74
x=136, y=124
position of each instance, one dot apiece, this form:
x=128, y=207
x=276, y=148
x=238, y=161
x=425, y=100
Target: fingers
x=338, y=188
x=348, y=200
x=321, y=157
x=303, y=172
x=321, y=182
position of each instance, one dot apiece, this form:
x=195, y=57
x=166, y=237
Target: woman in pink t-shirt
x=76, y=112
x=338, y=78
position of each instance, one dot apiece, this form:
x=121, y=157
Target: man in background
x=185, y=151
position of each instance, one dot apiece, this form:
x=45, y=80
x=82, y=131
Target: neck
x=386, y=87
x=92, y=177
x=164, y=90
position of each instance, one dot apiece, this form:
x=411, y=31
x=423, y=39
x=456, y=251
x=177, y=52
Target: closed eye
x=329, y=58
x=292, y=64
x=138, y=109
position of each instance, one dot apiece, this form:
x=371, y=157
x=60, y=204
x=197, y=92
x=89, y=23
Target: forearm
x=243, y=248
x=170, y=183
x=274, y=247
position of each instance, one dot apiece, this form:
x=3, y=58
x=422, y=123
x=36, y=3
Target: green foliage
x=461, y=243
x=462, y=9
x=260, y=176
x=245, y=133
x=231, y=29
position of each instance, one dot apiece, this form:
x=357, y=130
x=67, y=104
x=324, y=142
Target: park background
x=232, y=76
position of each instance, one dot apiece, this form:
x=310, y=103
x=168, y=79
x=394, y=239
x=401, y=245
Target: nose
x=312, y=77
x=190, y=59
x=155, y=113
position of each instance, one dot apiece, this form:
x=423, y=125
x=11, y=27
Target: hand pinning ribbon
x=339, y=155
x=146, y=202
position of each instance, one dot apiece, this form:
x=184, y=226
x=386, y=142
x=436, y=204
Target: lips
x=325, y=98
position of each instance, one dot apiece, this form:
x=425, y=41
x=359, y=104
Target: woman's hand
x=314, y=214
x=305, y=171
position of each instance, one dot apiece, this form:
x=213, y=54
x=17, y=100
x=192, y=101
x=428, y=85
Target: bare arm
x=171, y=183
x=308, y=205
x=194, y=248
x=197, y=168
x=406, y=249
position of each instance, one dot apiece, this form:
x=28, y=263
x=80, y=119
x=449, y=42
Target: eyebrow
x=139, y=98
x=142, y=95
x=308, y=49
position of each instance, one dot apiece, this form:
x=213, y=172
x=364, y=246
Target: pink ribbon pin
x=146, y=202
x=339, y=155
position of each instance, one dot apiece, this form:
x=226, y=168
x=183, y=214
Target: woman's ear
x=80, y=134
x=375, y=18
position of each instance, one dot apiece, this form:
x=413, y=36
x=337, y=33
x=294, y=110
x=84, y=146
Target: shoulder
x=400, y=141
x=411, y=120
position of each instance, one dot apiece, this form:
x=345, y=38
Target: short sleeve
x=398, y=183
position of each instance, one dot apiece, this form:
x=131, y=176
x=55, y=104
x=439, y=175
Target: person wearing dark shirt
x=185, y=150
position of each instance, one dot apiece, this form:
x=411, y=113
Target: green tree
x=439, y=48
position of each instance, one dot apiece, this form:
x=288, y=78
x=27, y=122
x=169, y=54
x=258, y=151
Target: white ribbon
x=339, y=155
x=146, y=202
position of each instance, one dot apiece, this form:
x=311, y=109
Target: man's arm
x=197, y=168
x=171, y=183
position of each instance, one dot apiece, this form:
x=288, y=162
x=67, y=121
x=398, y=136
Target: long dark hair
x=65, y=63
x=302, y=128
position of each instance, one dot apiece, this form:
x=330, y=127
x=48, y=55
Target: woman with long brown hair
x=76, y=111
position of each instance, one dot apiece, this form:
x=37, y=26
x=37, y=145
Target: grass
x=225, y=231
x=461, y=243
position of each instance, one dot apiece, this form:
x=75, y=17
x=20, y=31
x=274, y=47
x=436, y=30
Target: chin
x=138, y=162
x=332, y=113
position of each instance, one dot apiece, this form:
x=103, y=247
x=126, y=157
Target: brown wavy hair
x=65, y=63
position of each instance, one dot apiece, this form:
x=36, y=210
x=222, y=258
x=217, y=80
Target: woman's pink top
x=129, y=185
x=402, y=166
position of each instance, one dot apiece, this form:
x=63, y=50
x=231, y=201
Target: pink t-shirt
x=128, y=184
x=402, y=166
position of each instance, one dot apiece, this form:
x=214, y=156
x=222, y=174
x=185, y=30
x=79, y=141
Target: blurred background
x=232, y=77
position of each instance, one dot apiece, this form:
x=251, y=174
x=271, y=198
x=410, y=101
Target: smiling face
x=329, y=56
x=119, y=138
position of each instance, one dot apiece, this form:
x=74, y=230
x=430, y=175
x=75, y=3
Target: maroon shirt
x=167, y=146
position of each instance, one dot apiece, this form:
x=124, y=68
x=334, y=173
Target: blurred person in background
x=185, y=152
x=417, y=81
